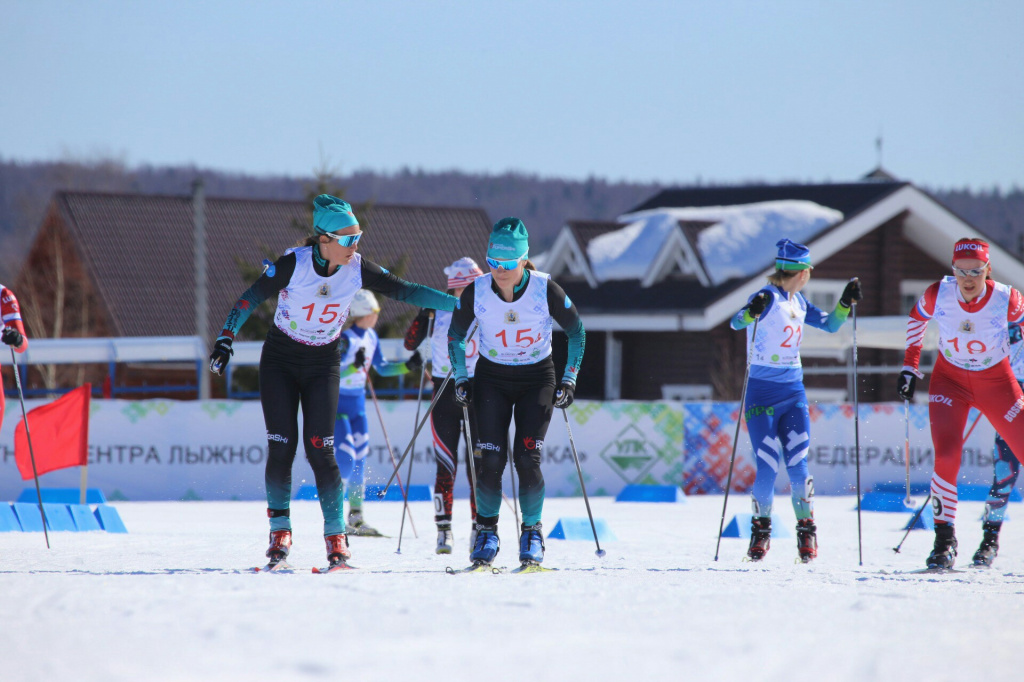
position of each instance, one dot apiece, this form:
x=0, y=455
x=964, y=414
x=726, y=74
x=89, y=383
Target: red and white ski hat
x=462, y=272
x=970, y=248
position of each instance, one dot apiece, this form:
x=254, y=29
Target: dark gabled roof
x=629, y=296
x=586, y=230
x=848, y=198
x=138, y=250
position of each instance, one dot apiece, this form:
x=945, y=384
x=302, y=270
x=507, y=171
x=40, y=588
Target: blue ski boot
x=487, y=544
x=531, y=544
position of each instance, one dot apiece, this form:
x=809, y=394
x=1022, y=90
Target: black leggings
x=446, y=427
x=501, y=393
x=290, y=377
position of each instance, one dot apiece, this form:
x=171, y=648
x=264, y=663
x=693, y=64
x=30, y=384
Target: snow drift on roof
x=740, y=243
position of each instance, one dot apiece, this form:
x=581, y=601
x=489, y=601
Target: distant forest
x=543, y=203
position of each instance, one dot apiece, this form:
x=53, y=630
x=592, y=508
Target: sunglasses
x=973, y=272
x=504, y=264
x=345, y=240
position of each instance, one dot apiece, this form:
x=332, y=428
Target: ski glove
x=906, y=385
x=415, y=362
x=463, y=393
x=756, y=305
x=1015, y=333
x=564, y=394
x=851, y=293
x=222, y=352
x=360, y=359
x=12, y=337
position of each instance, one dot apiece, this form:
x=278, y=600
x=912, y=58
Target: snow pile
x=740, y=243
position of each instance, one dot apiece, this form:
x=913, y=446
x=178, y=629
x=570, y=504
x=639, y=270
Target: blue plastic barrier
x=417, y=493
x=63, y=495
x=28, y=515
x=884, y=502
x=901, y=488
x=58, y=517
x=109, y=519
x=306, y=492
x=979, y=493
x=83, y=517
x=8, y=519
x=739, y=527
x=924, y=522
x=651, y=493
x=578, y=528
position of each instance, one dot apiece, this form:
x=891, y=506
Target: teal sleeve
x=830, y=322
x=457, y=332
x=385, y=368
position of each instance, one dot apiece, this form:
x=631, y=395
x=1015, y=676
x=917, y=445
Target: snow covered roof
x=739, y=243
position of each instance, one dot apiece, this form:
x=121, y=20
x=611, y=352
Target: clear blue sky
x=723, y=91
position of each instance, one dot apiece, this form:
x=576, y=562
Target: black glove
x=222, y=352
x=360, y=358
x=757, y=304
x=415, y=362
x=906, y=385
x=564, y=394
x=464, y=393
x=12, y=337
x=851, y=293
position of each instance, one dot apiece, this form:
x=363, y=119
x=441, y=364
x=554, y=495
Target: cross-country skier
x=300, y=365
x=446, y=418
x=13, y=333
x=776, y=406
x=515, y=377
x=1005, y=469
x=972, y=370
x=360, y=349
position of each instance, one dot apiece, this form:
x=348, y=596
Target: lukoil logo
x=940, y=399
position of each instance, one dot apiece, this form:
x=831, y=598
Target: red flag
x=60, y=434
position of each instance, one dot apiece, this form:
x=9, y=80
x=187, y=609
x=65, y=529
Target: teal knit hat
x=331, y=214
x=509, y=239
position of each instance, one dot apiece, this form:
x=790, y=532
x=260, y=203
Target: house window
x=824, y=293
x=911, y=291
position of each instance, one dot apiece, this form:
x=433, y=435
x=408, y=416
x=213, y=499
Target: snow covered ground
x=172, y=600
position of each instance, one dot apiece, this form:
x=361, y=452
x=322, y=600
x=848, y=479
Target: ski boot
x=760, y=537
x=989, y=544
x=280, y=544
x=356, y=525
x=444, y=538
x=487, y=544
x=531, y=545
x=806, y=540
x=944, y=551
x=337, y=549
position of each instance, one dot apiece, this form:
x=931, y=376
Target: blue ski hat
x=792, y=256
x=509, y=239
x=331, y=214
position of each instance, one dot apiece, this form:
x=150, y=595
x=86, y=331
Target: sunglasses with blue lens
x=504, y=264
x=345, y=240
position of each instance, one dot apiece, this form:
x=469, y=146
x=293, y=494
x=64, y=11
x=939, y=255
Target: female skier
x=515, y=376
x=351, y=433
x=776, y=404
x=447, y=417
x=314, y=284
x=13, y=333
x=972, y=370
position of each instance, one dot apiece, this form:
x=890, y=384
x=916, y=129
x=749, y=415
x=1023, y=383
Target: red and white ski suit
x=10, y=314
x=972, y=370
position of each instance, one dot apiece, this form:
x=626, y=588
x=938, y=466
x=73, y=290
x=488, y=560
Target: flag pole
x=31, y=453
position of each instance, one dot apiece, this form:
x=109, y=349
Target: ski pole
x=583, y=487
x=437, y=396
x=856, y=427
x=31, y=453
x=906, y=447
x=387, y=442
x=515, y=497
x=913, y=522
x=736, y=438
x=419, y=402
